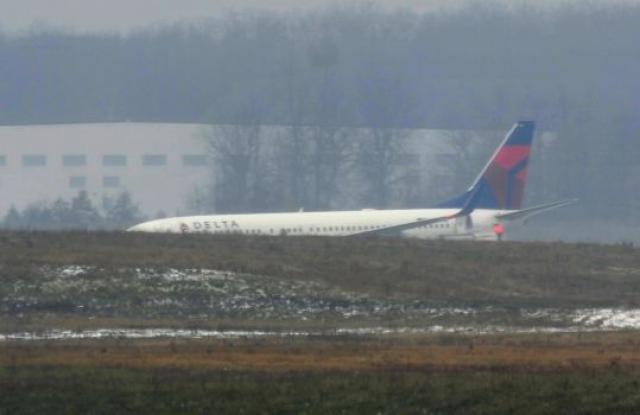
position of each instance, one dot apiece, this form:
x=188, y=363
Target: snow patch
x=610, y=318
x=239, y=334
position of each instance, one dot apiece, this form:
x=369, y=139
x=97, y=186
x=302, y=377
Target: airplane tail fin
x=500, y=185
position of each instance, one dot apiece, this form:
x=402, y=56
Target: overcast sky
x=122, y=15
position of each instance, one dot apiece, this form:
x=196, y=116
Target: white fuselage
x=341, y=223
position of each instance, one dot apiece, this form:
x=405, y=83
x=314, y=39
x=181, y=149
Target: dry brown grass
x=513, y=353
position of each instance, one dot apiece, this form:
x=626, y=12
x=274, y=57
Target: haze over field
x=122, y=15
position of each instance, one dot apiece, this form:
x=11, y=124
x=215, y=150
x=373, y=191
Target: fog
x=126, y=15
x=346, y=84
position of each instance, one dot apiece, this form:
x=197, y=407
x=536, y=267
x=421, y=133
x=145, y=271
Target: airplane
x=493, y=202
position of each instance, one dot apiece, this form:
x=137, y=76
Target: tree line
x=79, y=213
x=260, y=168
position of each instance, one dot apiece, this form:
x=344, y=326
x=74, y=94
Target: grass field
x=569, y=374
x=439, y=353
x=546, y=274
x=83, y=281
x=177, y=391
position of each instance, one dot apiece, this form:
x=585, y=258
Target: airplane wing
x=527, y=213
x=389, y=230
x=465, y=211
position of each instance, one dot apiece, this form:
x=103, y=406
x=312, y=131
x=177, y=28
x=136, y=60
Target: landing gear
x=498, y=229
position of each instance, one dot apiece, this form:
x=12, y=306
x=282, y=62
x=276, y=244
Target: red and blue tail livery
x=500, y=185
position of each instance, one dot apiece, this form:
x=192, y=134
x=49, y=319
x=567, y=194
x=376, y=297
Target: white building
x=160, y=164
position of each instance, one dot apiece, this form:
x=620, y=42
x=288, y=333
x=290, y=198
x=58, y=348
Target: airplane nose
x=141, y=227
x=155, y=226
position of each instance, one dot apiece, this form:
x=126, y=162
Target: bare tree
x=385, y=103
x=464, y=156
x=238, y=165
x=378, y=160
x=331, y=150
x=121, y=212
x=330, y=141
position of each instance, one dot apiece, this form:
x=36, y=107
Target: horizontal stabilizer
x=527, y=213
